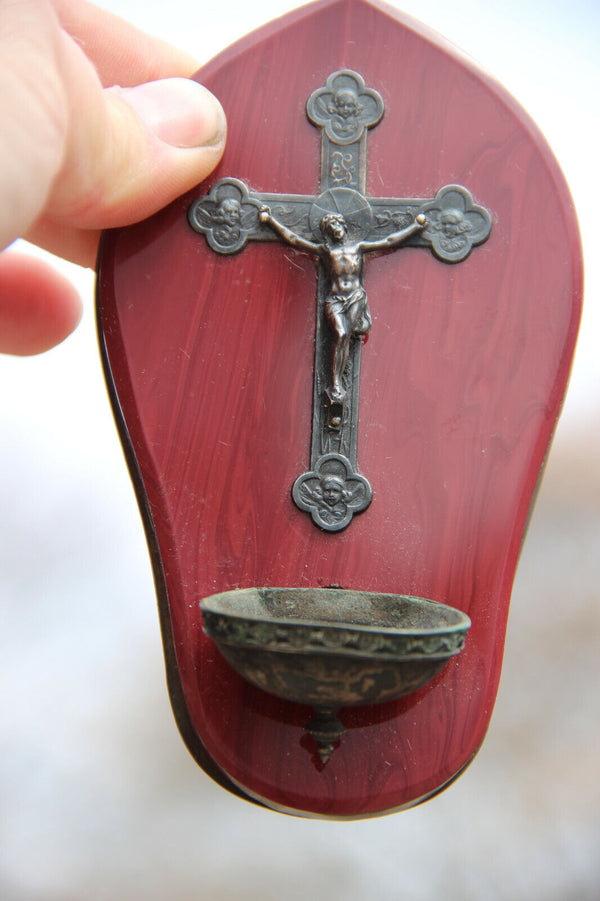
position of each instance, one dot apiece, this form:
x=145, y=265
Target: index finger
x=121, y=54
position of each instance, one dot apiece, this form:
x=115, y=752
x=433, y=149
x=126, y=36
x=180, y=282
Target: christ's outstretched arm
x=290, y=237
x=395, y=238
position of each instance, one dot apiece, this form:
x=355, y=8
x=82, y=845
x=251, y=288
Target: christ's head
x=333, y=226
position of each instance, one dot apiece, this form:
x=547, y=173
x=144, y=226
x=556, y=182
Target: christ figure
x=346, y=307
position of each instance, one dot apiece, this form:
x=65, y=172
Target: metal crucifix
x=339, y=227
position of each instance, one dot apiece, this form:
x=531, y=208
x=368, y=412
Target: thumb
x=130, y=151
x=78, y=156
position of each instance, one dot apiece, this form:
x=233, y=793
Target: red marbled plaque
x=210, y=364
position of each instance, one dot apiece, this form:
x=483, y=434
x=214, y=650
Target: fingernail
x=179, y=111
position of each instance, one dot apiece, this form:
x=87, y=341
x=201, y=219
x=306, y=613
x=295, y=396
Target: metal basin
x=332, y=647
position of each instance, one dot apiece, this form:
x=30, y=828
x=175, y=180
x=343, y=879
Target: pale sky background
x=87, y=733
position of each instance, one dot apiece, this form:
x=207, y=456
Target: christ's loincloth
x=349, y=310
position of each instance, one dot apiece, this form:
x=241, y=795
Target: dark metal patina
x=340, y=227
x=333, y=648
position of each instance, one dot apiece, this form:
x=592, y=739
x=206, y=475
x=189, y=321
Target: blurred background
x=100, y=801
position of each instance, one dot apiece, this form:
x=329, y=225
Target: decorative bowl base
x=333, y=648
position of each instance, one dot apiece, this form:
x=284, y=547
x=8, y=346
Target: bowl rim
x=304, y=636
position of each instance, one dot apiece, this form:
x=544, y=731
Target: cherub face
x=228, y=211
x=451, y=222
x=332, y=489
x=346, y=103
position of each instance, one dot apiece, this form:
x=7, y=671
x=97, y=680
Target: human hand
x=80, y=154
x=422, y=220
x=264, y=213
